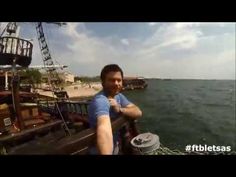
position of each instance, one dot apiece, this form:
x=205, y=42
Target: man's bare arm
x=104, y=135
x=131, y=111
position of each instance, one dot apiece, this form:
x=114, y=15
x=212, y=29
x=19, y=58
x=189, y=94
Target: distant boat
x=132, y=83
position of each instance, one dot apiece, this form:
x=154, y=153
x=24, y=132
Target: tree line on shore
x=34, y=76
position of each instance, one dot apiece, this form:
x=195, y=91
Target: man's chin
x=115, y=92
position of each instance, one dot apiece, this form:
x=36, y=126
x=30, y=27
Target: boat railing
x=15, y=50
x=79, y=107
x=65, y=107
x=15, y=46
x=47, y=106
x=76, y=144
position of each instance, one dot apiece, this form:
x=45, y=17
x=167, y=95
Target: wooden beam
x=23, y=133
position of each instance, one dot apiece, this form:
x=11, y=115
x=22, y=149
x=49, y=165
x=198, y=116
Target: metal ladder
x=53, y=76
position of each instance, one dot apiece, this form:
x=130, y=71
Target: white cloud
x=86, y=53
x=175, y=50
x=198, y=24
x=200, y=56
x=174, y=36
x=152, y=23
x=125, y=41
x=186, y=24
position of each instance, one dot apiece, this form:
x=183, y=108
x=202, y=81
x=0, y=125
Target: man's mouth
x=116, y=89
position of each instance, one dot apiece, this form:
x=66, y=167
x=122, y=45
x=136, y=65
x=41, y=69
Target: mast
x=15, y=51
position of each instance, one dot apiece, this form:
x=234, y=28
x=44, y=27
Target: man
x=107, y=106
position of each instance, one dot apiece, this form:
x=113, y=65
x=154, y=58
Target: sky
x=148, y=49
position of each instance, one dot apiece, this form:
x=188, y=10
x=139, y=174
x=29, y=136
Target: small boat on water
x=132, y=83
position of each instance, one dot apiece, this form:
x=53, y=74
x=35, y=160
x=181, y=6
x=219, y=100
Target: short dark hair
x=110, y=68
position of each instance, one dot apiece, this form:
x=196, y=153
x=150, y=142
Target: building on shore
x=68, y=77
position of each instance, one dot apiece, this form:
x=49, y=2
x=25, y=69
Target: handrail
x=84, y=139
x=15, y=46
x=77, y=144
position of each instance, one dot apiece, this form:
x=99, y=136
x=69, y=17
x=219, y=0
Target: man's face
x=113, y=82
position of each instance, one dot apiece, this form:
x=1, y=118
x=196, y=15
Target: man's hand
x=114, y=105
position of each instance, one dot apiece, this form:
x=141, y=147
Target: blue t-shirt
x=100, y=106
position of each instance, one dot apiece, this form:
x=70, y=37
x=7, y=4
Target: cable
x=8, y=24
x=66, y=127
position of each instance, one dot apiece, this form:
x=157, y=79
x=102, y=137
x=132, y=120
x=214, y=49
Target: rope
x=66, y=127
x=162, y=150
x=4, y=29
x=3, y=150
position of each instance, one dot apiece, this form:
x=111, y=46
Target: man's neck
x=108, y=94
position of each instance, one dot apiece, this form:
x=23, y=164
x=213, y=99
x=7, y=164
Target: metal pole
x=15, y=96
x=6, y=80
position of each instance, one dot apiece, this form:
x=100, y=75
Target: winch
x=146, y=143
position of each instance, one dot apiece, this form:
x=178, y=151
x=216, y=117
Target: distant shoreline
x=77, y=91
x=191, y=79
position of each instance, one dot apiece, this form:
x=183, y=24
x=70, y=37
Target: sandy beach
x=77, y=90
